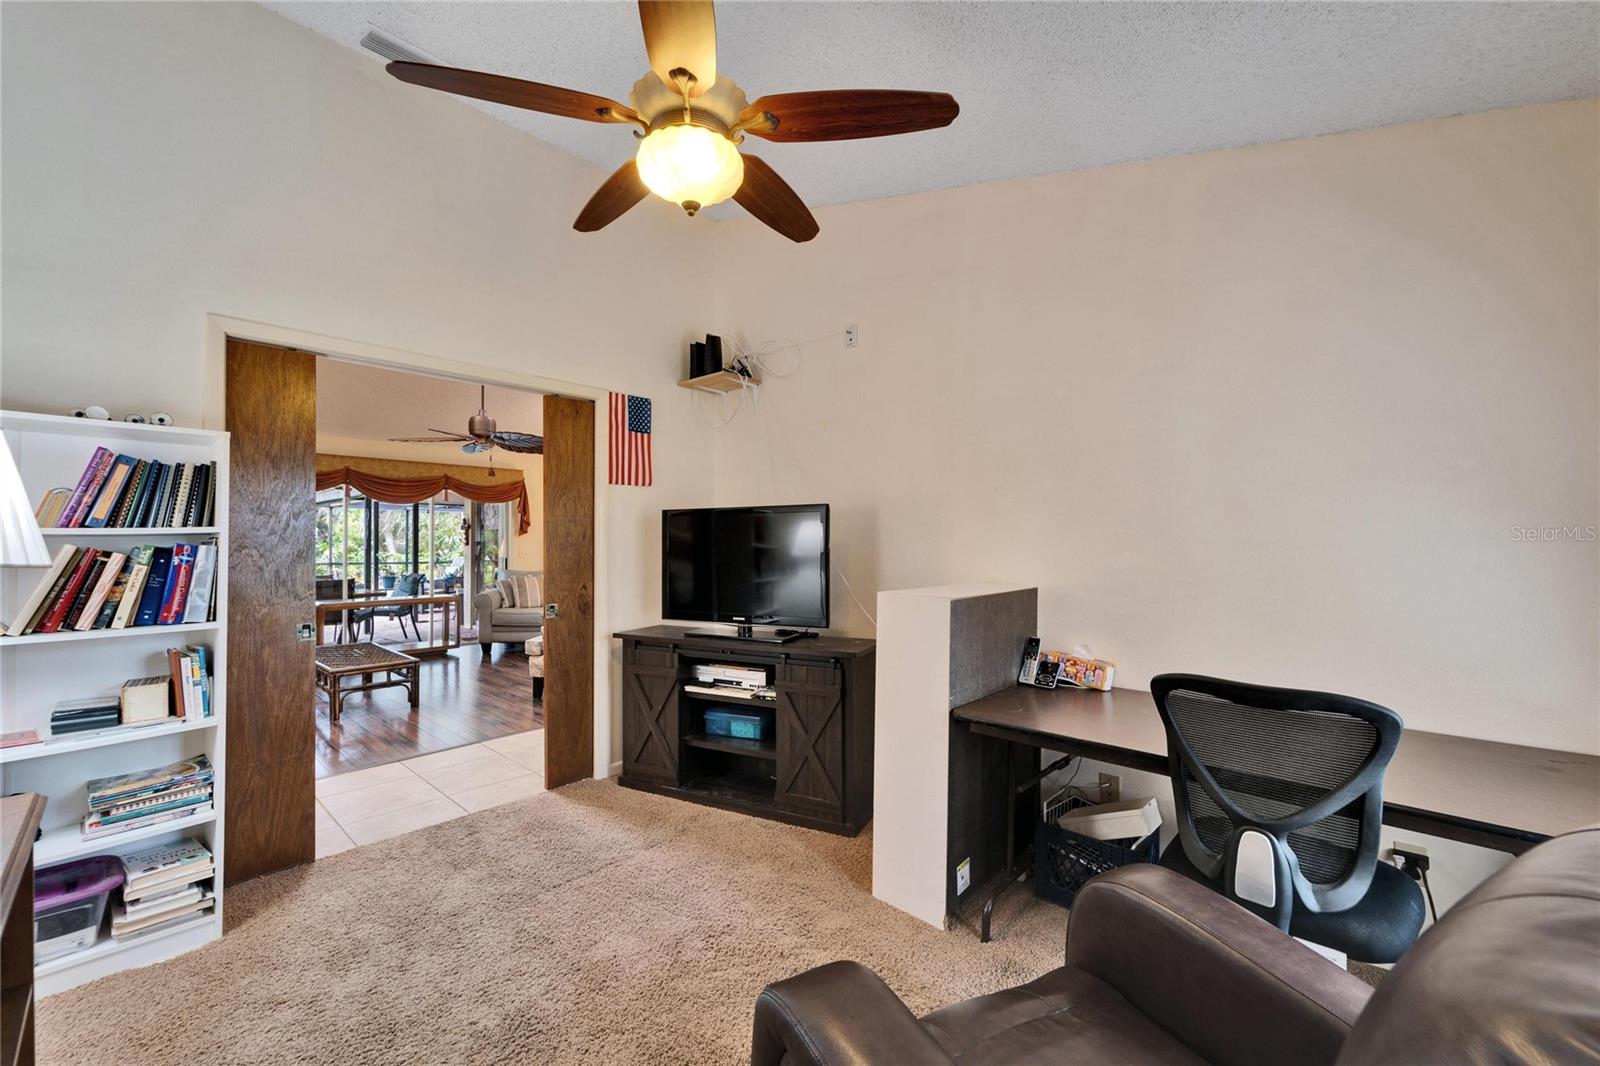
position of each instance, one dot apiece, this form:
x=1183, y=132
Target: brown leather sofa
x=1162, y=970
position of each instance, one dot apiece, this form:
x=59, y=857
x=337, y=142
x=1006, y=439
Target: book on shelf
x=202, y=586
x=191, y=682
x=176, y=593
x=129, y=921
x=91, y=588
x=71, y=515
x=63, y=558
x=20, y=739
x=50, y=508
x=119, y=788
x=94, y=603
x=126, y=802
x=152, y=872
x=145, y=699
x=52, y=618
x=80, y=602
x=119, y=588
x=133, y=586
x=110, y=495
x=119, y=491
x=155, y=587
x=95, y=829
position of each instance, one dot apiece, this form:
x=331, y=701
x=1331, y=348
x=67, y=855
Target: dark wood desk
x=1502, y=796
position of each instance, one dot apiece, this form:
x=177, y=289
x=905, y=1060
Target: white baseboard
x=615, y=769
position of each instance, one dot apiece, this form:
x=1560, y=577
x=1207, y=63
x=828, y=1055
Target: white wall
x=1270, y=413
x=163, y=161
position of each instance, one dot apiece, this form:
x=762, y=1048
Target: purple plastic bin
x=69, y=904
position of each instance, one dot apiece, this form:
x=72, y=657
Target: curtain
x=399, y=481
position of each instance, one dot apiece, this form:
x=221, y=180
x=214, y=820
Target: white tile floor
x=385, y=801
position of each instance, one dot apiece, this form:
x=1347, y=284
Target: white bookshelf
x=41, y=670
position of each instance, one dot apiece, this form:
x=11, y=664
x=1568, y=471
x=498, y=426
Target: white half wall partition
x=937, y=649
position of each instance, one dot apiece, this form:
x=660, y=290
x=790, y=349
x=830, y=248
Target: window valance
x=402, y=481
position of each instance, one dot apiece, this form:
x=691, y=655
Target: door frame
x=220, y=327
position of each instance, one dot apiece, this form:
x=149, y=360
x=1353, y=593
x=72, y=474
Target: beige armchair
x=499, y=624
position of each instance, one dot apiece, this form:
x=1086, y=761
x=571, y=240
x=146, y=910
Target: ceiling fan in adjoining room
x=691, y=119
x=481, y=436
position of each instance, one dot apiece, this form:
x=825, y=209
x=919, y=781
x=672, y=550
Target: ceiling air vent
x=391, y=49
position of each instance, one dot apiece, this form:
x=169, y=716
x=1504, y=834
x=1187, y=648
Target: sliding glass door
x=372, y=544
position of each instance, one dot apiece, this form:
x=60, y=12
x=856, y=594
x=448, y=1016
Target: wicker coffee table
x=338, y=661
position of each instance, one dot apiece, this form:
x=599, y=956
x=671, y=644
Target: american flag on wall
x=630, y=440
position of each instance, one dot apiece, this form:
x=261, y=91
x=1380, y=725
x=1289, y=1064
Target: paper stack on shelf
x=163, y=885
x=148, y=797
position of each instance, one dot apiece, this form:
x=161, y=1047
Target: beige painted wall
x=165, y=161
x=1273, y=413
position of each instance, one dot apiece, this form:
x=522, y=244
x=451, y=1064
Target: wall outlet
x=1110, y=788
x=1410, y=851
x=851, y=336
x=963, y=876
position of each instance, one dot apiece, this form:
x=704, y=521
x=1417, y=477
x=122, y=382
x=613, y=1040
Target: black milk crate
x=1064, y=861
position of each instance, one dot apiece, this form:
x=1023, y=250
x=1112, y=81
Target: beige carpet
x=594, y=924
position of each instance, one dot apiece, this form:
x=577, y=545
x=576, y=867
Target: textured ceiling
x=1043, y=87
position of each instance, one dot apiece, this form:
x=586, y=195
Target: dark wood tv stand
x=815, y=771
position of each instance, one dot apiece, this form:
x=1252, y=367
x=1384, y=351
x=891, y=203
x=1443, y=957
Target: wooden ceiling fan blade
x=443, y=438
x=498, y=89
x=527, y=443
x=681, y=35
x=770, y=199
x=611, y=201
x=847, y=114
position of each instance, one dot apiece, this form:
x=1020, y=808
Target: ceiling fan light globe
x=690, y=164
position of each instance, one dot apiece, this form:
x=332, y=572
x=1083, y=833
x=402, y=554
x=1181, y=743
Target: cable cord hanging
x=765, y=358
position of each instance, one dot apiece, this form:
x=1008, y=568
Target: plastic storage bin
x=729, y=723
x=69, y=904
x=1063, y=861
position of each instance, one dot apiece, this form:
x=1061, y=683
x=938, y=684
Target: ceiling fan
x=481, y=436
x=691, y=119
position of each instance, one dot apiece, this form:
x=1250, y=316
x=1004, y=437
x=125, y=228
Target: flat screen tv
x=746, y=566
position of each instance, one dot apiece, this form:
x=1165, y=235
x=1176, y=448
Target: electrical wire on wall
x=772, y=359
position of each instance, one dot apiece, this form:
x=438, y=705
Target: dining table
x=441, y=638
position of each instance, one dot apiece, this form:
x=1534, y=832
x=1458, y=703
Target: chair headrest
x=1509, y=974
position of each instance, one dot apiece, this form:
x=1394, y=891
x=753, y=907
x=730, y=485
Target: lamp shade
x=20, y=542
x=691, y=166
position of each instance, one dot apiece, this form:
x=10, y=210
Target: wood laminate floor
x=463, y=700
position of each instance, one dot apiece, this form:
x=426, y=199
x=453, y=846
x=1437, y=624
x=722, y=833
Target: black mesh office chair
x=1279, y=795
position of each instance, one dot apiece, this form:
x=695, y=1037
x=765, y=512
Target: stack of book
x=127, y=802
x=94, y=588
x=121, y=492
x=85, y=716
x=163, y=885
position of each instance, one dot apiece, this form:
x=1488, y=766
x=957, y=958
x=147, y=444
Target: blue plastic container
x=729, y=723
